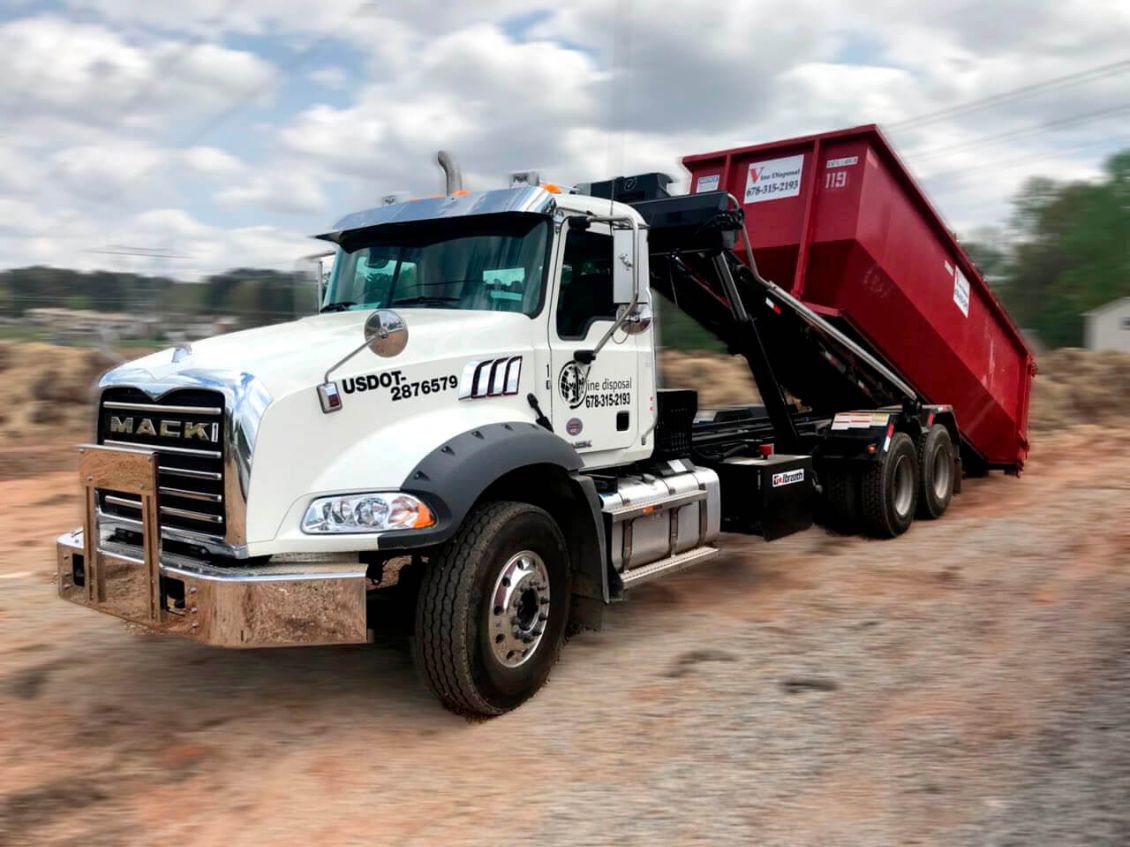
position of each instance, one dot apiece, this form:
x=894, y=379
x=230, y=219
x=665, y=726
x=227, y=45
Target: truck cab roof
x=524, y=199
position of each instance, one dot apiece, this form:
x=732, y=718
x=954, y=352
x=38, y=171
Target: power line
x=236, y=106
x=127, y=250
x=296, y=62
x=1012, y=162
x=1024, y=92
x=173, y=57
x=621, y=31
x=1059, y=123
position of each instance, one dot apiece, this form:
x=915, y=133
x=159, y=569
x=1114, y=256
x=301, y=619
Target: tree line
x=1065, y=251
x=254, y=295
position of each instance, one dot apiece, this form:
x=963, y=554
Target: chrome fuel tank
x=651, y=517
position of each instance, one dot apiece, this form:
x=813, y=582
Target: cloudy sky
x=216, y=133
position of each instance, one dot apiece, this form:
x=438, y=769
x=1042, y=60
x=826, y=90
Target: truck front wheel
x=889, y=489
x=492, y=609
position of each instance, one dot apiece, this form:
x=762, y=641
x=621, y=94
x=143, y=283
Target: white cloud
x=288, y=190
x=97, y=171
x=94, y=111
x=211, y=161
x=87, y=74
x=494, y=100
x=331, y=76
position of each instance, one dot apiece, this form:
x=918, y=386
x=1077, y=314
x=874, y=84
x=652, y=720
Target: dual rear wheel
x=886, y=495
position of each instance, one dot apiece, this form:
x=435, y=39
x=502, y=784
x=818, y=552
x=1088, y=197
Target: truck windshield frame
x=496, y=263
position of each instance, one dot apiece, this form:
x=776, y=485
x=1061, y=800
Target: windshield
x=494, y=263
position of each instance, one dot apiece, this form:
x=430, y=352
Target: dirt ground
x=966, y=684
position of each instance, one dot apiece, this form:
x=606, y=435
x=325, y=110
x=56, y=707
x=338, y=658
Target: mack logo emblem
x=187, y=430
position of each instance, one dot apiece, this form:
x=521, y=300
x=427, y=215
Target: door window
x=586, y=284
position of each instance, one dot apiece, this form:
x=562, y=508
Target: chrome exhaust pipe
x=452, y=173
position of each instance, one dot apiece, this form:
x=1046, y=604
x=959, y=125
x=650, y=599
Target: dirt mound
x=720, y=380
x=1076, y=386
x=45, y=389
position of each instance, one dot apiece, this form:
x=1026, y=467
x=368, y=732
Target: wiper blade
x=343, y=306
x=420, y=301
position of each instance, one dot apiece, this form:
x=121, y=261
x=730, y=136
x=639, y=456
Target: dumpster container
x=837, y=220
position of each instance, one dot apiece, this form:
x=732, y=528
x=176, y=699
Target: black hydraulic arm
x=792, y=352
x=752, y=348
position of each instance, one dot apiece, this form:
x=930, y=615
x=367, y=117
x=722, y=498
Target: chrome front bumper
x=250, y=606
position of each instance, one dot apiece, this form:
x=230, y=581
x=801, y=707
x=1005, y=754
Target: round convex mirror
x=386, y=332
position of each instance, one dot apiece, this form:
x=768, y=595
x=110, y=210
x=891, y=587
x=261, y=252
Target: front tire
x=492, y=609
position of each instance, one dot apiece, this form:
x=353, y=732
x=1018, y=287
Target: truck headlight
x=367, y=512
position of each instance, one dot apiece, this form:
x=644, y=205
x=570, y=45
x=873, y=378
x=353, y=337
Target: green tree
x=1073, y=253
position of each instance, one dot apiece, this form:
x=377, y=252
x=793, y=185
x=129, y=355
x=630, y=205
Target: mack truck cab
x=470, y=434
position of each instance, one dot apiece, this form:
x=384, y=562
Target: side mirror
x=386, y=334
x=638, y=320
x=623, y=266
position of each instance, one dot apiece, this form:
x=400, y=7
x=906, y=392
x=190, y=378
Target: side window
x=586, y=284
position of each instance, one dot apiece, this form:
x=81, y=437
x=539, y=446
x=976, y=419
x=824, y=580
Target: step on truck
x=469, y=441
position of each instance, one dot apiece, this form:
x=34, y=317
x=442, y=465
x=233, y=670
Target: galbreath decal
x=788, y=478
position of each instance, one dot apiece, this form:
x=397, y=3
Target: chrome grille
x=186, y=428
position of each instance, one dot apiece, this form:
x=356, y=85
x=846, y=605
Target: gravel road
x=968, y=683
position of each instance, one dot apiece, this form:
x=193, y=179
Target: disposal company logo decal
x=773, y=179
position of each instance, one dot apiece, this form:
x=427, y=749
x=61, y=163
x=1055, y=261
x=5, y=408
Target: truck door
x=594, y=407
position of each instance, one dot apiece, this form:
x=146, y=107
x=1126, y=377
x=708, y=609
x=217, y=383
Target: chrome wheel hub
x=519, y=609
x=943, y=469
x=903, y=486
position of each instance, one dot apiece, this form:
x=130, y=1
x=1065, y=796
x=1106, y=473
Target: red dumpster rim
x=914, y=191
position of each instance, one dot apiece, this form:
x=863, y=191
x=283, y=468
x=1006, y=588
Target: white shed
x=1108, y=327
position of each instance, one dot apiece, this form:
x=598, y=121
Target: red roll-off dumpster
x=838, y=221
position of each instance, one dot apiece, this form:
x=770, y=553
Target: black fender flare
x=452, y=477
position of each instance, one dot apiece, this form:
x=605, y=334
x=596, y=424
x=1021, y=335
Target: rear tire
x=936, y=472
x=889, y=489
x=841, y=499
x=492, y=609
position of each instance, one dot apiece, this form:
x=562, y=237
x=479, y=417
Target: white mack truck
x=470, y=436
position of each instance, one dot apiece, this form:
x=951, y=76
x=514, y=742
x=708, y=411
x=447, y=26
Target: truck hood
x=293, y=356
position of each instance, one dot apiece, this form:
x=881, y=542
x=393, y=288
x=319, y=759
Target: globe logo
x=572, y=383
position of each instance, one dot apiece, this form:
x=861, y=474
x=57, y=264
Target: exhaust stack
x=452, y=174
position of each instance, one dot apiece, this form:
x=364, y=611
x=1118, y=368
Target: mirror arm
x=342, y=361
x=590, y=355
